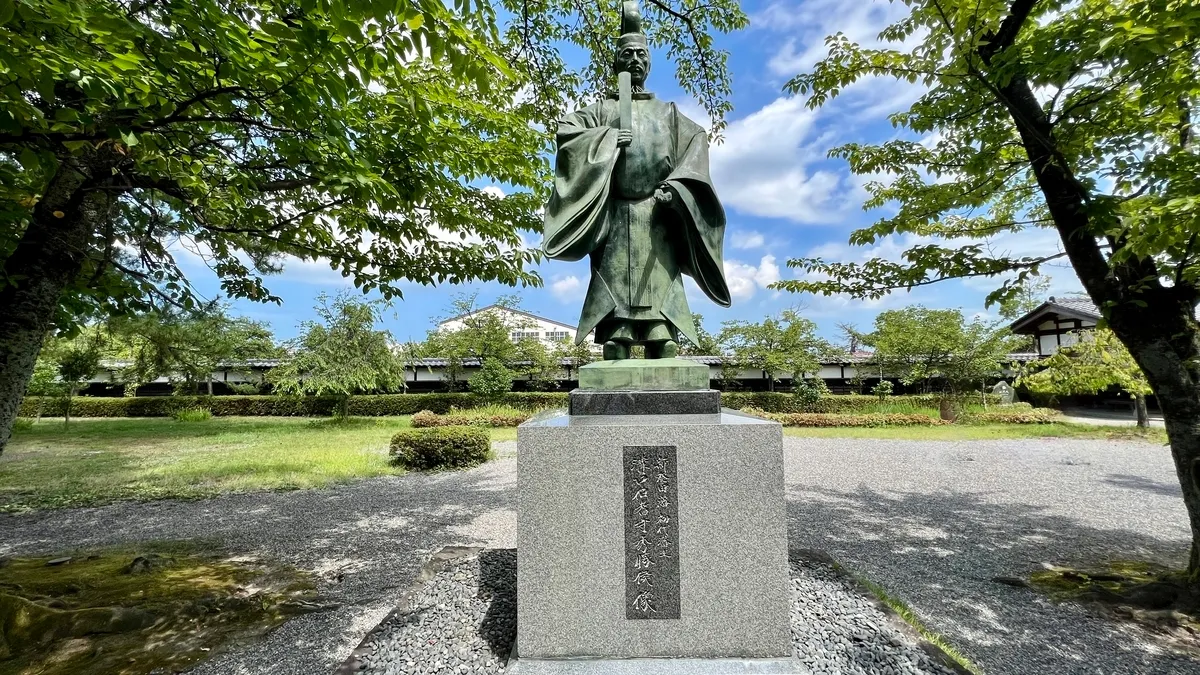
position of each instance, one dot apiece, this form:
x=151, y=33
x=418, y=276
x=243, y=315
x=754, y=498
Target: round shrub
x=425, y=418
x=440, y=448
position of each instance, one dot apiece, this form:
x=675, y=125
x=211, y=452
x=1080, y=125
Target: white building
x=523, y=325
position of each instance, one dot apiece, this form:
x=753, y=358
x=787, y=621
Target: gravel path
x=933, y=522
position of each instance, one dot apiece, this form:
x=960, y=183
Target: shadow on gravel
x=1144, y=484
x=498, y=582
x=952, y=556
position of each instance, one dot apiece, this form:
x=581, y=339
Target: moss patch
x=1150, y=595
x=157, y=608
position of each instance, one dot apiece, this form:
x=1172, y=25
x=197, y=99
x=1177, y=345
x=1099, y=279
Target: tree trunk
x=1167, y=347
x=49, y=256
x=1143, y=415
x=210, y=384
x=67, y=407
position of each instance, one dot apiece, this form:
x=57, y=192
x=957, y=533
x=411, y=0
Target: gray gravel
x=836, y=630
x=463, y=620
x=932, y=522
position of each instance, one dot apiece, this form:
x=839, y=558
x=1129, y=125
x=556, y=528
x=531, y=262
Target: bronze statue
x=632, y=190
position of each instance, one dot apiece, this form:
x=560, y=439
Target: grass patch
x=983, y=432
x=97, y=461
x=160, y=608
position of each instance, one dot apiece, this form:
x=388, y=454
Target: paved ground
x=1110, y=418
x=932, y=522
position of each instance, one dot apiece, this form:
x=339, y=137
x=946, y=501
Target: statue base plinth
x=644, y=375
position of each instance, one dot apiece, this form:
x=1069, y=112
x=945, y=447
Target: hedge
x=281, y=406
x=1018, y=416
x=440, y=448
x=409, y=404
x=850, y=420
x=775, y=402
x=428, y=418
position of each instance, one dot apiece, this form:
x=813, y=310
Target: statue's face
x=636, y=60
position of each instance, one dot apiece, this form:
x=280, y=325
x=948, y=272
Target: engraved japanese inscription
x=651, y=532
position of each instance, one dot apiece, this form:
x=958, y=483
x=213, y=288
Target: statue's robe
x=603, y=205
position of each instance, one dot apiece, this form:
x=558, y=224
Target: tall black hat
x=631, y=26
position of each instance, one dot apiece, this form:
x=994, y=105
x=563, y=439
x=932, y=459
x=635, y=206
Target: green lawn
x=101, y=460
x=95, y=461
x=982, y=432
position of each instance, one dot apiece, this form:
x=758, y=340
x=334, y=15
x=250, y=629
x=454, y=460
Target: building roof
x=510, y=310
x=1071, y=307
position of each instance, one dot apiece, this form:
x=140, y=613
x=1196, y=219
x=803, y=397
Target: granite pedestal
x=696, y=572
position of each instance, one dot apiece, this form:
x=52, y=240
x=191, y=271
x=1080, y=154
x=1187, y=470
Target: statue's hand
x=663, y=195
x=624, y=138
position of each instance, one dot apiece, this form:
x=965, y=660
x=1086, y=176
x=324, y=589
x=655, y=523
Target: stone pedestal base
x=644, y=375
x=713, y=550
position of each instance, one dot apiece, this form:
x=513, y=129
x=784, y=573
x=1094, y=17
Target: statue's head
x=633, y=52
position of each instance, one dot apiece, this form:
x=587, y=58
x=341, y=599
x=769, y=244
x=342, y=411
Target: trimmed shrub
x=491, y=416
x=883, y=389
x=192, y=415
x=1018, y=416
x=811, y=391
x=440, y=448
x=848, y=420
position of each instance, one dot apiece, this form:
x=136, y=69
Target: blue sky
x=783, y=197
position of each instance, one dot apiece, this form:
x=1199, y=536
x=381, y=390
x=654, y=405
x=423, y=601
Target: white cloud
x=808, y=23
x=744, y=279
x=744, y=240
x=567, y=289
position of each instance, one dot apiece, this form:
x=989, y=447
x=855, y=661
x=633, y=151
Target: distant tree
x=708, y=345
x=1025, y=298
x=186, y=346
x=68, y=365
x=938, y=347
x=786, y=344
x=492, y=381
x=340, y=354
x=1097, y=361
x=852, y=336
x=482, y=334
x=536, y=365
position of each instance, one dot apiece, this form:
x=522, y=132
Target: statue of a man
x=632, y=190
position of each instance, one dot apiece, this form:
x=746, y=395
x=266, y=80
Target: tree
x=938, y=347
x=1078, y=118
x=70, y=363
x=492, y=381
x=186, y=346
x=1094, y=363
x=365, y=134
x=708, y=345
x=478, y=335
x=786, y=344
x=536, y=365
x=341, y=354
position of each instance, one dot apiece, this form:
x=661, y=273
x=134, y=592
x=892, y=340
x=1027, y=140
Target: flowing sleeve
x=701, y=212
x=583, y=167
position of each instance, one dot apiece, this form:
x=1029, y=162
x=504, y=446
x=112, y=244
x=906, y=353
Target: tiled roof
x=1071, y=306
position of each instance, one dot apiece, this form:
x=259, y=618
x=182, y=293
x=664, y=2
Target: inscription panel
x=651, y=532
